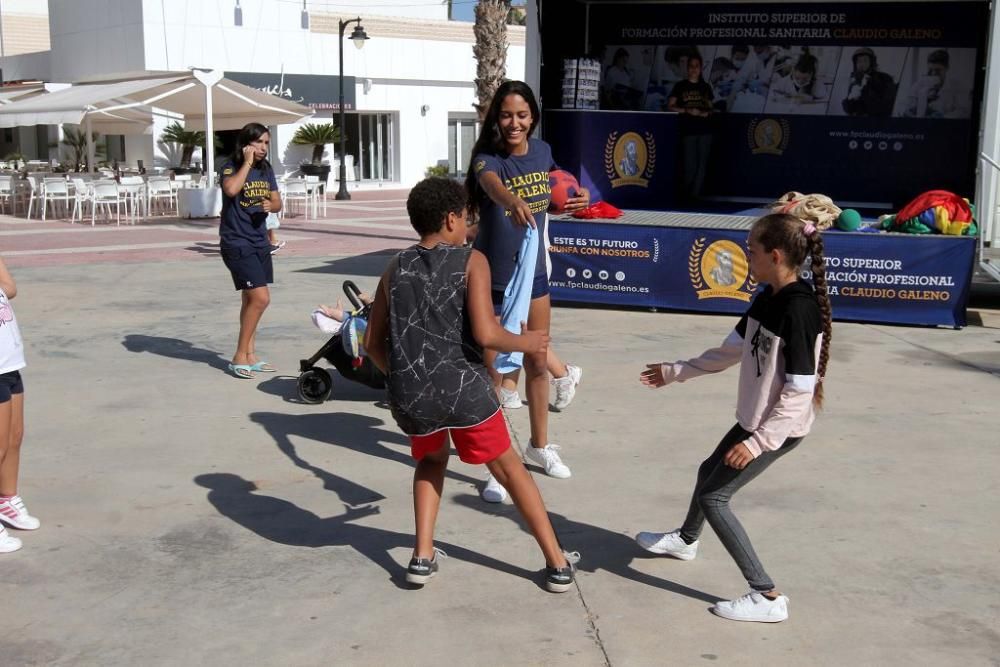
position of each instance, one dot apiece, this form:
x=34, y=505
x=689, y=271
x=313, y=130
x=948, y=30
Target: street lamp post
x=358, y=36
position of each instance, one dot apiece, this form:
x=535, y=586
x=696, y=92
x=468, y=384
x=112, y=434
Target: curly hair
x=431, y=200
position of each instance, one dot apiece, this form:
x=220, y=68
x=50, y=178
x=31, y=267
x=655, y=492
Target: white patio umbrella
x=204, y=98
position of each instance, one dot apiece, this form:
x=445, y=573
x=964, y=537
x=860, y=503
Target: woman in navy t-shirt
x=508, y=185
x=249, y=193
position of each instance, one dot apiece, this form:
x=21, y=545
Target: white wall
x=98, y=37
x=94, y=37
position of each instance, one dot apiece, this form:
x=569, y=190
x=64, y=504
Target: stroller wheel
x=315, y=385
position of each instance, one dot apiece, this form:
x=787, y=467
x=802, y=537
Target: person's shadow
x=358, y=433
x=283, y=522
x=175, y=349
x=600, y=548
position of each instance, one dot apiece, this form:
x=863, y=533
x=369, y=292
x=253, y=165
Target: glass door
x=374, y=147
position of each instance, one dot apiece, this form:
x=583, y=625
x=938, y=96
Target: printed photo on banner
x=867, y=81
x=626, y=74
x=802, y=79
x=936, y=83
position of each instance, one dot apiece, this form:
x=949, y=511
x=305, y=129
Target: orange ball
x=563, y=185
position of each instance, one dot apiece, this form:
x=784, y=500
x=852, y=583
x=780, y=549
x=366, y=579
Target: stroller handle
x=353, y=294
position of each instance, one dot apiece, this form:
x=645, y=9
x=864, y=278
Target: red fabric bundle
x=598, y=210
x=957, y=207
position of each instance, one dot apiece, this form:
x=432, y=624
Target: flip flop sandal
x=244, y=371
x=263, y=367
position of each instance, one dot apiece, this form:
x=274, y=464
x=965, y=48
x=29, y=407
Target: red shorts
x=475, y=444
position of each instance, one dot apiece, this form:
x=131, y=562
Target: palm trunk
x=490, y=50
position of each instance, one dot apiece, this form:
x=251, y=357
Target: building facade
x=408, y=93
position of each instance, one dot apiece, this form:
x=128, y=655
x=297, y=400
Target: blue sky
x=462, y=10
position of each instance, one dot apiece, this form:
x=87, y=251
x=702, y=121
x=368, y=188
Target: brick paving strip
x=370, y=222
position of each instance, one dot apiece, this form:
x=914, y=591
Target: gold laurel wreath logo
x=650, y=154
x=694, y=263
x=609, y=154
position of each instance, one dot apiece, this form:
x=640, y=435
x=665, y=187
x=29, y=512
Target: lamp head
x=358, y=36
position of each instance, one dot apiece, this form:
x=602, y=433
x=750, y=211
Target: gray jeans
x=717, y=483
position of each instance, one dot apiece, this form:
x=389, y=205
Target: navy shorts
x=10, y=383
x=539, y=288
x=250, y=267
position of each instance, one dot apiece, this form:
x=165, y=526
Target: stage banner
x=871, y=278
x=870, y=103
x=626, y=159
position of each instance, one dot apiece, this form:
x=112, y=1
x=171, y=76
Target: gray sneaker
x=560, y=579
x=422, y=570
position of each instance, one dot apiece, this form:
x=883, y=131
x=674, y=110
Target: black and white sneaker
x=560, y=579
x=277, y=246
x=421, y=570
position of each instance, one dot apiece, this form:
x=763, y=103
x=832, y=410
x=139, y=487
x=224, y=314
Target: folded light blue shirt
x=517, y=299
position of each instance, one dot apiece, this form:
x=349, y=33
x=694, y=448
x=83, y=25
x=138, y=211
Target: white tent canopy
x=127, y=106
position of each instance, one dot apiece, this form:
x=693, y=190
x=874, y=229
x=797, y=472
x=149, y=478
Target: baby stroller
x=315, y=384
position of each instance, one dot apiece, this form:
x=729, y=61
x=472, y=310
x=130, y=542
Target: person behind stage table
x=430, y=321
x=250, y=193
x=934, y=95
x=800, y=86
x=12, y=509
x=870, y=92
x=508, y=186
x=618, y=83
x=693, y=99
x=782, y=344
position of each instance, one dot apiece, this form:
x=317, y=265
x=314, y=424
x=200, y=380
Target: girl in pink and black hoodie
x=782, y=344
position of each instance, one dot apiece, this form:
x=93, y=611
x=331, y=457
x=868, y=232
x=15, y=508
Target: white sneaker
x=8, y=542
x=510, y=399
x=566, y=386
x=15, y=514
x=667, y=544
x=494, y=492
x=753, y=607
x=548, y=459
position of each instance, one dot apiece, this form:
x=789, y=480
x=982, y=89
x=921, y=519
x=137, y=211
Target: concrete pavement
x=191, y=517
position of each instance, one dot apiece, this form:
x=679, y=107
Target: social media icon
x=587, y=273
x=603, y=275
x=619, y=276
x=570, y=273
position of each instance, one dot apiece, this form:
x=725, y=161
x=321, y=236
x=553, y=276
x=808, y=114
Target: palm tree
x=490, y=50
x=76, y=142
x=188, y=140
x=317, y=136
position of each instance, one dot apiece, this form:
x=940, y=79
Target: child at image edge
x=782, y=344
x=12, y=509
x=431, y=318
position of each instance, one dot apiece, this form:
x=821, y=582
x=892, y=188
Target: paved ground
x=190, y=517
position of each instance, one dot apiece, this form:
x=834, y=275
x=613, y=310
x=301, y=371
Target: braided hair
x=799, y=240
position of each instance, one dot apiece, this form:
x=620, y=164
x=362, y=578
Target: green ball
x=848, y=220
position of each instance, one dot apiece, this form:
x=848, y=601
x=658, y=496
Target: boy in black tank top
x=430, y=320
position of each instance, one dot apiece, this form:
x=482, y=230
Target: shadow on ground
x=283, y=522
x=600, y=548
x=370, y=264
x=175, y=349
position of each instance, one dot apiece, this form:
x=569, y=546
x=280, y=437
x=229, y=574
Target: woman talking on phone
x=249, y=194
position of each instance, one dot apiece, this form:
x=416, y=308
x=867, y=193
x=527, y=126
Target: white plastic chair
x=158, y=188
x=82, y=195
x=133, y=189
x=317, y=189
x=8, y=193
x=105, y=194
x=55, y=190
x=34, y=192
x=296, y=191
x=349, y=165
